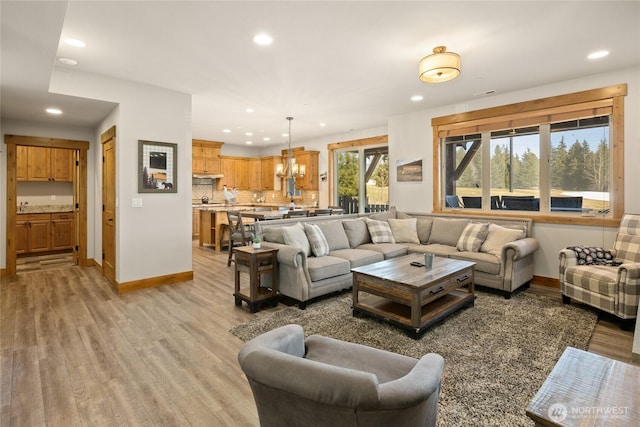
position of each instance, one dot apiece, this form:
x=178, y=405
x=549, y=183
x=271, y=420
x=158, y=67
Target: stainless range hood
x=205, y=179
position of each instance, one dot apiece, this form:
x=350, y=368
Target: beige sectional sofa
x=502, y=248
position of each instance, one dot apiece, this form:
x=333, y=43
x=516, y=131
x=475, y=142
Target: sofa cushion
x=358, y=257
x=447, y=231
x=273, y=234
x=498, y=237
x=326, y=267
x=598, y=279
x=295, y=236
x=423, y=227
x=486, y=263
x=317, y=241
x=334, y=233
x=472, y=237
x=437, y=249
x=357, y=232
x=380, y=231
x=383, y=216
x=404, y=230
x=388, y=250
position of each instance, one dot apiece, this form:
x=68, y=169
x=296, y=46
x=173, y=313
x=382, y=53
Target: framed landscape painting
x=157, y=167
x=409, y=171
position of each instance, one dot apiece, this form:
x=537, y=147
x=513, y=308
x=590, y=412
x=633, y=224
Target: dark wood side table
x=585, y=389
x=256, y=263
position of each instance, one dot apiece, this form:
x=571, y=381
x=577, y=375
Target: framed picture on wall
x=157, y=167
x=409, y=171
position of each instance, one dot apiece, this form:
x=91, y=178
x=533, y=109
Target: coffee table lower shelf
x=400, y=314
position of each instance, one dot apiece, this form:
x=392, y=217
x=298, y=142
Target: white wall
x=411, y=137
x=154, y=240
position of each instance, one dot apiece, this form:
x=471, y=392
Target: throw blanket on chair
x=591, y=255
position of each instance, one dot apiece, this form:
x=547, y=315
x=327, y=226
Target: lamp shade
x=440, y=66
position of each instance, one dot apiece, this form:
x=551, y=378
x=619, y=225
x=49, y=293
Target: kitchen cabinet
x=44, y=164
x=43, y=232
x=241, y=172
x=310, y=179
x=33, y=233
x=195, y=222
x=269, y=180
x=228, y=169
x=62, y=231
x=205, y=157
x=255, y=174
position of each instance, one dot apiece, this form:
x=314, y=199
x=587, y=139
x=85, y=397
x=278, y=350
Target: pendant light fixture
x=440, y=66
x=291, y=169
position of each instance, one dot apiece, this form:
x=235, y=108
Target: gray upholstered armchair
x=321, y=381
x=611, y=288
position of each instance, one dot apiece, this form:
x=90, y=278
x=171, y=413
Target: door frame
x=80, y=186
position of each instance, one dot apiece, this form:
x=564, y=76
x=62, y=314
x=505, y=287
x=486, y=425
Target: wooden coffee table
x=413, y=298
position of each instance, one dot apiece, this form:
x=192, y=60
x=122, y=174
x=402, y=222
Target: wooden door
x=62, y=164
x=22, y=236
x=109, y=205
x=39, y=164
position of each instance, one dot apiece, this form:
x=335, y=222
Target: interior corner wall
x=411, y=138
x=39, y=129
x=154, y=240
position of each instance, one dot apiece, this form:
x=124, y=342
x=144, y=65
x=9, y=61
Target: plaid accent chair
x=614, y=289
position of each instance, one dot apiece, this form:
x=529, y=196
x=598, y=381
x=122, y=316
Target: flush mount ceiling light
x=441, y=66
x=75, y=42
x=262, y=39
x=599, y=54
x=54, y=111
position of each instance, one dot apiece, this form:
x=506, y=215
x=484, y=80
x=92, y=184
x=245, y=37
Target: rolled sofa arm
x=288, y=255
x=521, y=248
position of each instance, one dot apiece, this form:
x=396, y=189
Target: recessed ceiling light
x=226, y=130
x=417, y=98
x=54, y=111
x=266, y=138
x=263, y=39
x=75, y=42
x=249, y=142
x=323, y=124
x=67, y=61
x=248, y=133
x=599, y=54
x=249, y=110
x=285, y=135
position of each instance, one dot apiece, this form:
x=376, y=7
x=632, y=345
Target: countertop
x=34, y=209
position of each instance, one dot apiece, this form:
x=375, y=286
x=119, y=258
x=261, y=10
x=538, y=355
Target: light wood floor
x=72, y=352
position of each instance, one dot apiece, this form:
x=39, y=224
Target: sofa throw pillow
x=334, y=233
x=295, y=236
x=423, y=226
x=404, y=230
x=273, y=234
x=447, y=231
x=317, y=241
x=380, y=231
x=357, y=232
x=498, y=237
x=472, y=237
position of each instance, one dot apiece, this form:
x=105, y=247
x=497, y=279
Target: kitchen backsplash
x=249, y=197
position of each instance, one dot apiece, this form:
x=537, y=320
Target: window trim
x=608, y=100
x=332, y=148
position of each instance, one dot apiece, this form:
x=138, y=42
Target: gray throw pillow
x=447, y=231
x=317, y=241
x=273, y=234
x=472, y=237
x=295, y=236
x=357, y=232
x=334, y=233
x=380, y=231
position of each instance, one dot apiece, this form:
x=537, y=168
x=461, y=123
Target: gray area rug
x=497, y=354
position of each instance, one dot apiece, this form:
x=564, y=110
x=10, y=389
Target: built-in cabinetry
x=310, y=161
x=43, y=232
x=255, y=174
x=44, y=164
x=195, y=222
x=205, y=157
x=268, y=179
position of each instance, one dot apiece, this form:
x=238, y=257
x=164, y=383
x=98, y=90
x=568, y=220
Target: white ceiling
x=349, y=64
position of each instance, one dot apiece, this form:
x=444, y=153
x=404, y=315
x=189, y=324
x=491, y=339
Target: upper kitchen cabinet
x=269, y=180
x=255, y=174
x=205, y=157
x=242, y=174
x=44, y=164
x=310, y=161
x=228, y=170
